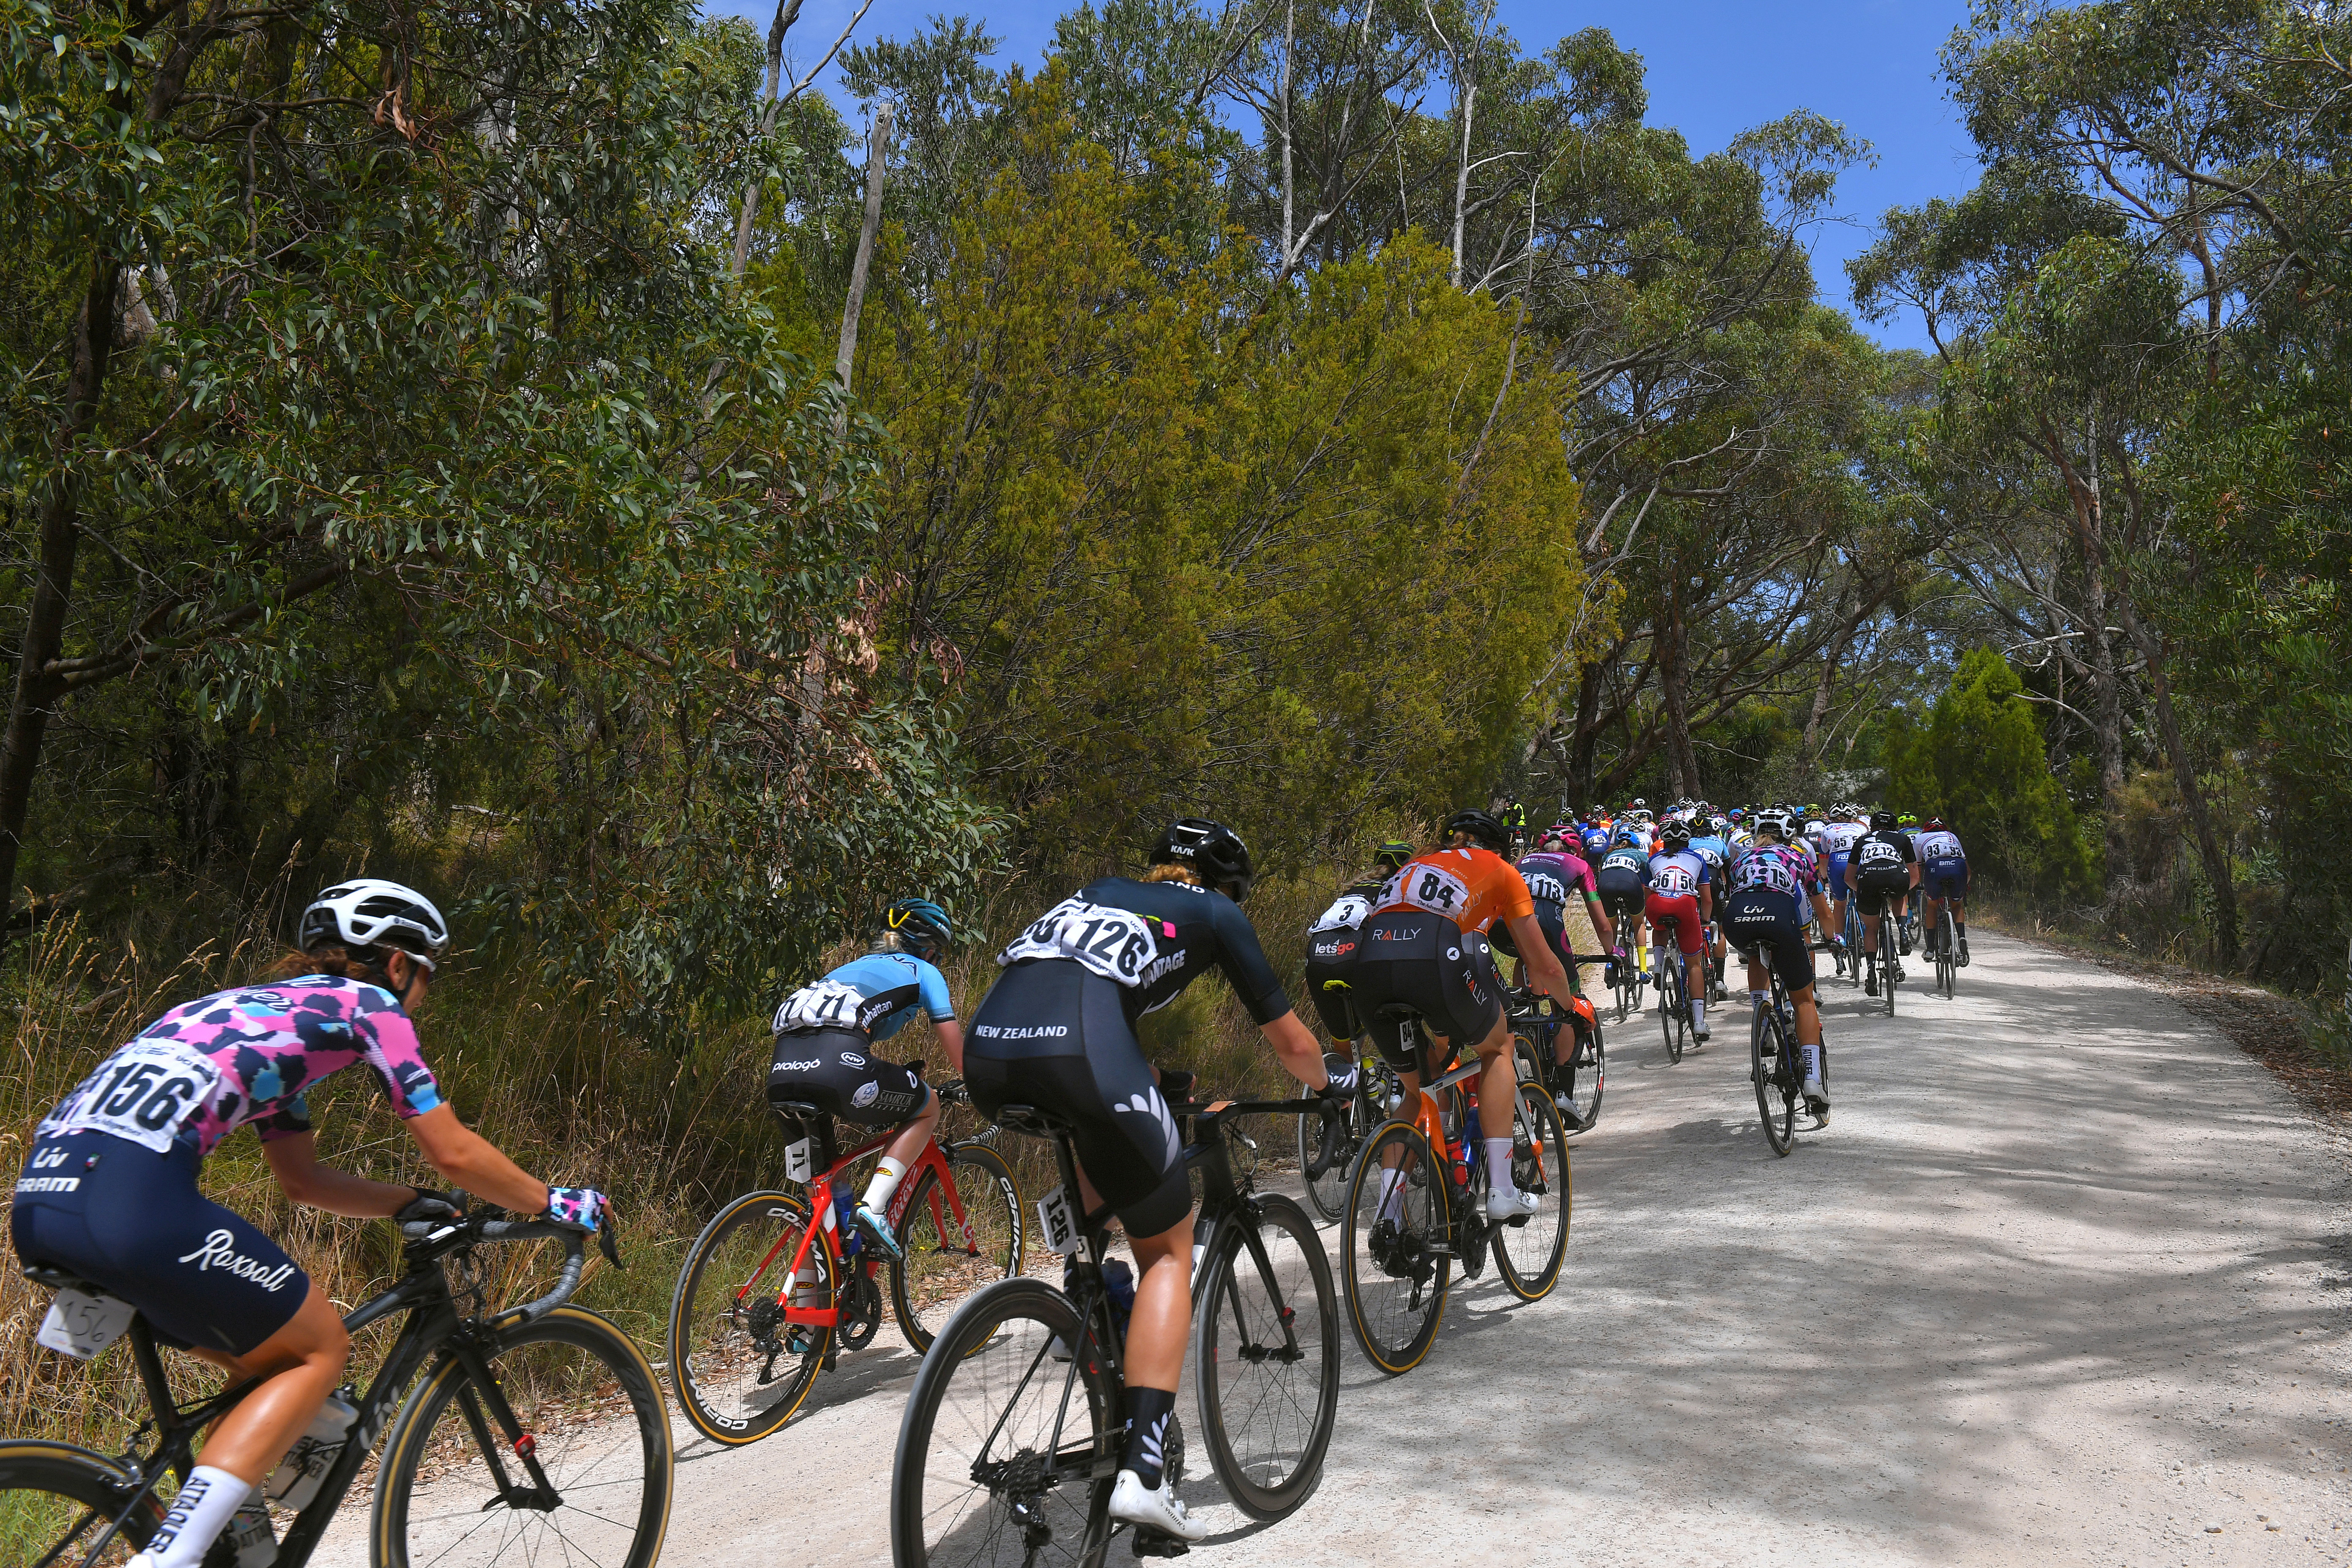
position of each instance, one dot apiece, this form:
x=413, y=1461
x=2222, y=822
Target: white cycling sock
x=1498, y=1168
x=1389, y=1207
x=1758, y=997
x=195, y=1519
x=887, y=1177
x=1812, y=1056
x=1698, y=1013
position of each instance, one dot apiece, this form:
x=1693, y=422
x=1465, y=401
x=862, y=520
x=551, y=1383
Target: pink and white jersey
x=209, y=1067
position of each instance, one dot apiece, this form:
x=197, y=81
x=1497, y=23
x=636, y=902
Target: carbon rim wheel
x=1529, y=1252
x=949, y=1259
x=1268, y=1388
x=1006, y=1453
x=56, y=1500
x=1776, y=1096
x=1886, y=959
x=598, y=1431
x=731, y=1353
x=1591, y=1059
x=1396, y=1279
x=1326, y=1195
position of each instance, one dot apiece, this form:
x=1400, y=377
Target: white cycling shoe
x=1153, y=1508
x=1498, y=1208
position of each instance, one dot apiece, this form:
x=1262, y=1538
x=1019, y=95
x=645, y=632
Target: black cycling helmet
x=1481, y=827
x=1674, y=835
x=922, y=926
x=1214, y=852
x=1392, y=855
x=1882, y=822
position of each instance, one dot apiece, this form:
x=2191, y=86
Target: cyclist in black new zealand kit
x=1882, y=867
x=1331, y=944
x=1058, y=1032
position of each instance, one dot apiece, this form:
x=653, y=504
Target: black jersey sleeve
x=1243, y=962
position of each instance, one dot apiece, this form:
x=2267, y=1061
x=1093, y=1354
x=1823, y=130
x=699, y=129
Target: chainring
x=861, y=1310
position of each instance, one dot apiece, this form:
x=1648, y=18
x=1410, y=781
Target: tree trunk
x=2106, y=682
x=1588, y=729
x=2192, y=794
x=1682, y=759
x=787, y=13
x=878, y=151
x=38, y=689
x=1831, y=657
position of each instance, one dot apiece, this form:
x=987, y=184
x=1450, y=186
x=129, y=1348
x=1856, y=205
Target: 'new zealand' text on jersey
x=1152, y=939
x=876, y=996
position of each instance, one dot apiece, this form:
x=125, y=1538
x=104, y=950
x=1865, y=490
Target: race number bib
x=1117, y=944
x=1878, y=855
x=1431, y=888
x=143, y=1092
x=1348, y=914
x=820, y=1005
x=80, y=1325
x=1767, y=871
x=1544, y=885
x=1623, y=860
x=1673, y=880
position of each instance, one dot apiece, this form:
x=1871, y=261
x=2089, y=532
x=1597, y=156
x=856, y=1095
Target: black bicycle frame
x=433, y=1325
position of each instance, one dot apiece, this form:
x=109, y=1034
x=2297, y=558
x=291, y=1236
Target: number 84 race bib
x=142, y=1093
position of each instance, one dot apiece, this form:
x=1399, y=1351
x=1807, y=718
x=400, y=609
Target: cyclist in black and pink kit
x=108, y=1191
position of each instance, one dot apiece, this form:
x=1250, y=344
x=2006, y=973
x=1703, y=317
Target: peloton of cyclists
x=1772, y=882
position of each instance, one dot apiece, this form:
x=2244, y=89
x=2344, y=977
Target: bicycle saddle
x=1397, y=1011
x=1028, y=1119
x=50, y=1279
x=794, y=1108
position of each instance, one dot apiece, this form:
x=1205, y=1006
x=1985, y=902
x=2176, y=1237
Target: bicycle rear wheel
x=1393, y=1240
x=730, y=1358
x=1590, y=1059
x=1006, y=1454
x=1326, y=1195
x=948, y=1258
x=1771, y=1068
x=56, y=1500
x=1674, y=1014
x=1528, y=1251
x=1266, y=1358
x=1947, y=961
x=561, y=1455
x=1887, y=969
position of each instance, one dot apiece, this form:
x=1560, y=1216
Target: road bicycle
x=1413, y=1211
x=1328, y=1164
x=747, y=1343
x=1890, y=970
x=532, y=1434
x=1774, y=1068
x=1847, y=948
x=1576, y=1087
x=1011, y=1437
x=1948, y=959
x=1673, y=1006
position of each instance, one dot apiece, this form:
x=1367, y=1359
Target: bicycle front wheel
x=738, y=1372
x=1528, y=1251
x=1006, y=1451
x=561, y=1453
x=57, y=1501
x=959, y=1236
x=1328, y=1194
x=1774, y=1074
x=1395, y=1240
x=1582, y=1109
x=1266, y=1358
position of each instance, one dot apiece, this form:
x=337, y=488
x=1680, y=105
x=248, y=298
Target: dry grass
x=670, y=1135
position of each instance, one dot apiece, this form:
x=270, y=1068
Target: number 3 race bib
x=1115, y=943
x=143, y=1092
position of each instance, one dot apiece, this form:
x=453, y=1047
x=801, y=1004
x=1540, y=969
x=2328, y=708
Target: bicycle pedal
x=1158, y=1544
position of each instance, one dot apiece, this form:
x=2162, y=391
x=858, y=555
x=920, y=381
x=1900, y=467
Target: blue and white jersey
x=877, y=996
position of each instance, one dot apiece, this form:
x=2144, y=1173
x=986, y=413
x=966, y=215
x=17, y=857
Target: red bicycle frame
x=823, y=1222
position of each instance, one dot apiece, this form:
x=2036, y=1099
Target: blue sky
x=1715, y=68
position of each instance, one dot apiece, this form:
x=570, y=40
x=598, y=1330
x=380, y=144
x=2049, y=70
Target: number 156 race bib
x=143, y=1092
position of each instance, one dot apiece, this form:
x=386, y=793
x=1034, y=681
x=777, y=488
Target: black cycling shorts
x=1053, y=1034
x=1330, y=972
x=1623, y=893
x=1425, y=963
x=131, y=1222
x=836, y=1071
x=1873, y=890
x=1763, y=925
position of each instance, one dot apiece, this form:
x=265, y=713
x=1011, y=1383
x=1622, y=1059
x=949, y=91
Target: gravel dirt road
x=2064, y=1281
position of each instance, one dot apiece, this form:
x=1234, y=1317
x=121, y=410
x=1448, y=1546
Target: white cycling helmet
x=371, y=912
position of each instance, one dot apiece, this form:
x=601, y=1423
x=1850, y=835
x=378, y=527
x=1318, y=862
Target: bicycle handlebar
x=575, y=1252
